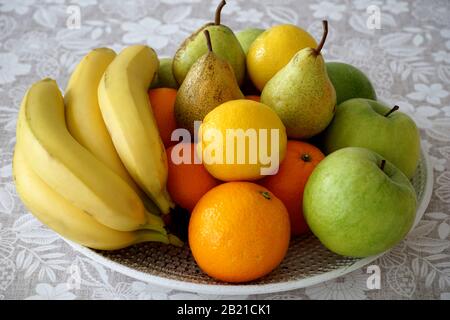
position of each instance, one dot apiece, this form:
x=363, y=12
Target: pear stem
x=208, y=40
x=383, y=163
x=219, y=12
x=324, y=37
x=395, y=108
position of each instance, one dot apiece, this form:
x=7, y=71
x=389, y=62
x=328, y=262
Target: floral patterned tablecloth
x=408, y=60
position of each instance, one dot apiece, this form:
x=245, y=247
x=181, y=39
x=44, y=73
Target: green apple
x=349, y=82
x=358, y=204
x=247, y=36
x=165, y=78
x=373, y=125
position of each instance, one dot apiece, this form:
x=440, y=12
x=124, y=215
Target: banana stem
x=163, y=201
x=153, y=219
x=154, y=222
x=151, y=206
x=150, y=227
x=151, y=236
x=174, y=240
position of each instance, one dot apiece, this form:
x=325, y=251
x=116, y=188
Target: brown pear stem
x=219, y=12
x=395, y=108
x=383, y=163
x=208, y=40
x=324, y=37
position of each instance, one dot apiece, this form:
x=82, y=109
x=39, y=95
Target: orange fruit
x=187, y=182
x=288, y=184
x=163, y=101
x=238, y=232
x=254, y=98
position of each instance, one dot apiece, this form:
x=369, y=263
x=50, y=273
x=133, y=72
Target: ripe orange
x=254, y=98
x=163, y=101
x=238, y=232
x=187, y=182
x=288, y=184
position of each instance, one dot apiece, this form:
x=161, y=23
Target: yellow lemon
x=273, y=49
x=242, y=140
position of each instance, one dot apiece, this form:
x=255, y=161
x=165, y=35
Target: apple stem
x=218, y=12
x=395, y=108
x=324, y=37
x=208, y=40
x=383, y=163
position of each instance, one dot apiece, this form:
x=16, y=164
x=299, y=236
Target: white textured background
x=408, y=61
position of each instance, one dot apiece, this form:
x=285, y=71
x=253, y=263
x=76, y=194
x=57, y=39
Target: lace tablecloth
x=408, y=60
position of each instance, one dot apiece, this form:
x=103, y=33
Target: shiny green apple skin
x=362, y=123
x=354, y=207
x=349, y=82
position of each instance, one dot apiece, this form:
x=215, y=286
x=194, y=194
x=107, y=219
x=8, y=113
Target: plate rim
x=248, y=289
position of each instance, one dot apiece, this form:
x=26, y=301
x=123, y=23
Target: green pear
x=247, y=36
x=302, y=94
x=209, y=83
x=226, y=46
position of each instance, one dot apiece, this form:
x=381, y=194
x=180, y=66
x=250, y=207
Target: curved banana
x=83, y=117
x=126, y=110
x=66, y=219
x=70, y=169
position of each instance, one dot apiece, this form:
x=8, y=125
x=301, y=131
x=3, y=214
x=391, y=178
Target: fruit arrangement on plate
x=234, y=147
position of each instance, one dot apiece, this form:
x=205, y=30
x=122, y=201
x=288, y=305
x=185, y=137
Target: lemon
x=241, y=140
x=273, y=49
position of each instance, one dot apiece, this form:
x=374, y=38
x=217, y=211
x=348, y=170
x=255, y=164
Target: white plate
x=307, y=262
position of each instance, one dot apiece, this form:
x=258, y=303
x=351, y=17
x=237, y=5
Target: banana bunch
x=126, y=110
x=66, y=167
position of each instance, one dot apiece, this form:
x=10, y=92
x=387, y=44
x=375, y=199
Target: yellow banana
x=83, y=117
x=66, y=219
x=71, y=170
x=126, y=110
